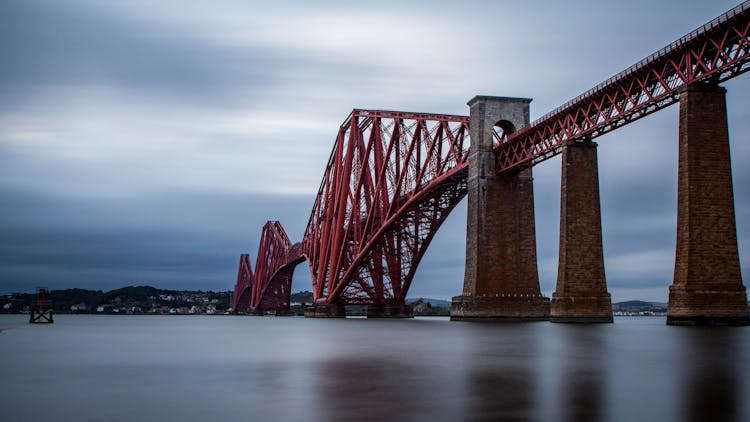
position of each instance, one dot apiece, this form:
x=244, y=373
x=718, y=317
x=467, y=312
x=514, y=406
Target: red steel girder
x=277, y=257
x=243, y=287
x=269, y=288
x=715, y=52
x=274, y=292
x=393, y=177
x=391, y=180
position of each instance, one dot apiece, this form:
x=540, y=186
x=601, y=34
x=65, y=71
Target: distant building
x=81, y=307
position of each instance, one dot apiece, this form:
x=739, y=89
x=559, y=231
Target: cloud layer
x=148, y=143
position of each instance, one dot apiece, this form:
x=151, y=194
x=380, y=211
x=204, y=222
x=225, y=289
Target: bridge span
x=393, y=177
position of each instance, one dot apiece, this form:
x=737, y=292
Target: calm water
x=294, y=369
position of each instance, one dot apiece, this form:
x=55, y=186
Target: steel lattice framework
x=243, y=287
x=391, y=181
x=715, y=52
x=393, y=177
x=269, y=288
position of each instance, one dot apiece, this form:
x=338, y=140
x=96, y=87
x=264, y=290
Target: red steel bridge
x=393, y=177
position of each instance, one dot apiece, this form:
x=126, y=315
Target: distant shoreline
x=148, y=300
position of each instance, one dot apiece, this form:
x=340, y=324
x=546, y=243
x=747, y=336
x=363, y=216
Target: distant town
x=147, y=300
x=125, y=301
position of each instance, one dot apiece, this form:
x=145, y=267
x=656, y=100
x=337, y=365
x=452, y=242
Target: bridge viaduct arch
x=393, y=177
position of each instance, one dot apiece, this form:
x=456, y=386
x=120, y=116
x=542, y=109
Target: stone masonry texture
x=501, y=279
x=707, y=286
x=325, y=311
x=581, y=294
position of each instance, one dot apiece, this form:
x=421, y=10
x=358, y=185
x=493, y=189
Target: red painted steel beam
x=271, y=291
x=391, y=180
x=715, y=52
x=243, y=286
x=275, y=293
x=269, y=287
x=393, y=177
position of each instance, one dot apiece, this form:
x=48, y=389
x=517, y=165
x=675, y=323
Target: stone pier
x=500, y=280
x=581, y=294
x=707, y=287
x=390, y=311
x=325, y=311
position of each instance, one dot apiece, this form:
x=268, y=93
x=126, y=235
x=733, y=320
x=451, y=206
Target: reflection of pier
x=506, y=388
x=41, y=311
x=583, y=381
x=712, y=389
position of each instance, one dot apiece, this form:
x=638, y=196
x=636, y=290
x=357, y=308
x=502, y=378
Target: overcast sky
x=147, y=142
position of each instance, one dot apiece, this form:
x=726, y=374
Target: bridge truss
x=715, y=52
x=391, y=181
x=393, y=177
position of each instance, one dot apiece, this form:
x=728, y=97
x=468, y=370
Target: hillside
x=637, y=306
x=127, y=300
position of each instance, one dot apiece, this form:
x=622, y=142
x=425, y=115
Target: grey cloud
x=112, y=220
x=58, y=43
x=179, y=239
